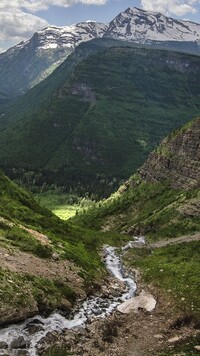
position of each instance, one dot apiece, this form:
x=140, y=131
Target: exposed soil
x=135, y=334
x=22, y=262
x=176, y=240
x=43, y=239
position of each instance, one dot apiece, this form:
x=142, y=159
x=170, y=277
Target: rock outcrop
x=177, y=159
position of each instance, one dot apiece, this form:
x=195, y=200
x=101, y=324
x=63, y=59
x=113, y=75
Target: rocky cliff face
x=177, y=159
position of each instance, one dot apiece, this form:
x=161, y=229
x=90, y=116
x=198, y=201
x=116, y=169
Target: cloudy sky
x=19, y=19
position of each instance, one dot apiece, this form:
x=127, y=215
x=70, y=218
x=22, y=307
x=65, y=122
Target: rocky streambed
x=26, y=338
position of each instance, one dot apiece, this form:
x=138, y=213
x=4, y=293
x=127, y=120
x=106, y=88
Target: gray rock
x=3, y=345
x=23, y=353
x=55, y=256
x=19, y=343
x=32, y=328
x=144, y=300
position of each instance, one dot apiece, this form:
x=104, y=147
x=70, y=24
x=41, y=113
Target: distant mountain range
x=27, y=63
x=95, y=119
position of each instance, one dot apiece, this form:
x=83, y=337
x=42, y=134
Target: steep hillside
x=162, y=200
x=28, y=63
x=105, y=119
x=45, y=263
x=177, y=159
x=36, y=98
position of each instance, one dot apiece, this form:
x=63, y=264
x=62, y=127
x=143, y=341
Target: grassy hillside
x=162, y=200
x=36, y=247
x=151, y=209
x=101, y=123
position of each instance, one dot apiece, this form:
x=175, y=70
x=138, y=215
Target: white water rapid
x=18, y=337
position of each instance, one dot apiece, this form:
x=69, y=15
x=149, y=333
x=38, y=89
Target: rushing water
x=92, y=307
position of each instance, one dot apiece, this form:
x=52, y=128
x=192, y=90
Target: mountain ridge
x=140, y=25
x=29, y=62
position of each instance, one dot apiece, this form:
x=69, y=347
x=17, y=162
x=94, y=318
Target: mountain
x=162, y=199
x=27, y=63
x=102, y=121
x=141, y=26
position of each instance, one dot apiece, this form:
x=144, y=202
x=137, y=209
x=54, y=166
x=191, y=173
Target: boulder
x=144, y=301
x=3, y=345
x=19, y=343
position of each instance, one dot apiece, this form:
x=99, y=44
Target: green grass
x=69, y=242
x=22, y=291
x=153, y=210
x=17, y=237
x=175, y=270
x=64, y=205
x=66, y=212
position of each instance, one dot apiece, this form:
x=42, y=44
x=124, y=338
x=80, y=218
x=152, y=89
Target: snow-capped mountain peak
x=69, y=36
x=139, y=25
x=34, y=59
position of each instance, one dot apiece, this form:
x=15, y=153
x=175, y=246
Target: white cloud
x=17, y=25
x=171, y=7
x=17, y=19
x=36, y=5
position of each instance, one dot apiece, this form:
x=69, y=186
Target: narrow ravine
x=28, y=335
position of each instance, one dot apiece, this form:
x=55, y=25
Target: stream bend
x=19, y=337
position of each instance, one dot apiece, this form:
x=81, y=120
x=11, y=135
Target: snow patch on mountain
x=70, y=36
x=140, y=25
x=133, y=25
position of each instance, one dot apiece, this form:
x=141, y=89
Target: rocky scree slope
x=162, y=200
x=27, y=63
x=106, y=117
